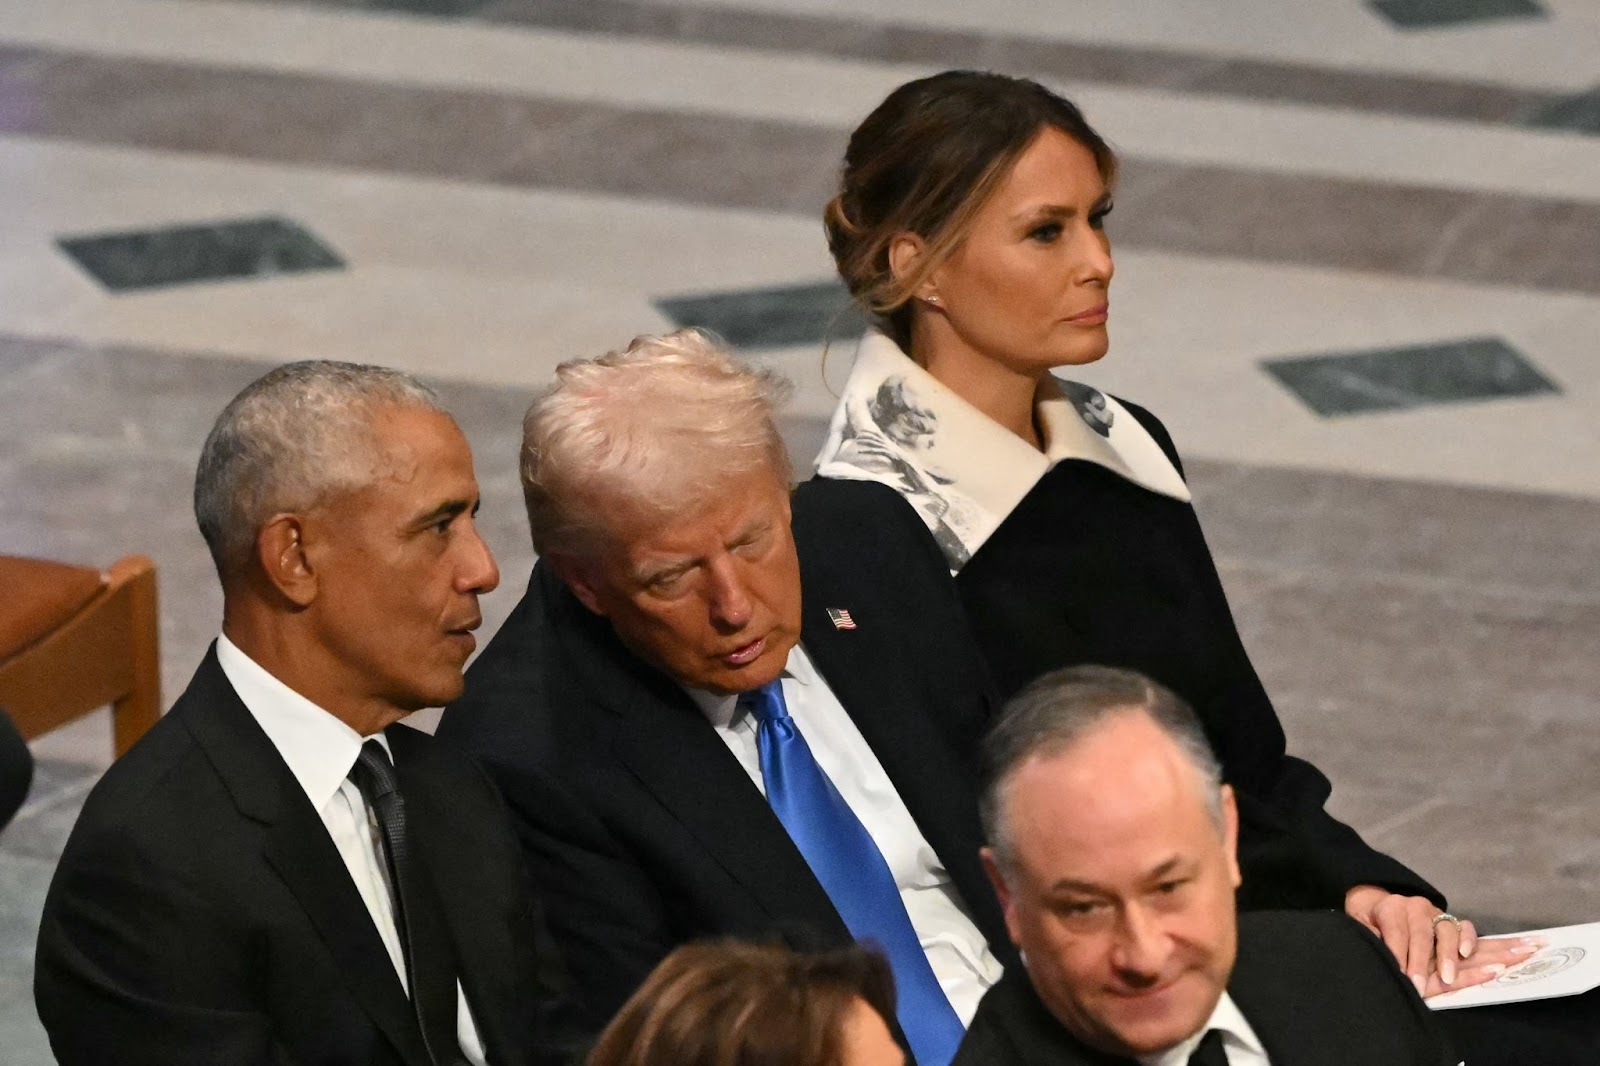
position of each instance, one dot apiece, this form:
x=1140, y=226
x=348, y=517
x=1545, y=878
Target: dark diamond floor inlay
x=442, y=8
x=1426, y=14
x=1389, y=379
x=770, y=318
x=179, y=255
x=1579, y=113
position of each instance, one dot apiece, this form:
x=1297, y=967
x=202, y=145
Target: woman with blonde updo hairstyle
x=728, y=1003
x=970, y=225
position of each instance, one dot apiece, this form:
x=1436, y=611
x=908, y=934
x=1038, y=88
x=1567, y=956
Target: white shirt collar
x=1236, y=1034
x=721, y=711
x=899, y=425
x=318, y=748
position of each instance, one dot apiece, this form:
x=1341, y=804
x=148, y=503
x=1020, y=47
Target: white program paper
x=1567, y=965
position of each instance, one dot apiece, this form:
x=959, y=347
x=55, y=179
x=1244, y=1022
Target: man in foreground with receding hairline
x=1112, y=849
x=690, y=747
x=277, y=873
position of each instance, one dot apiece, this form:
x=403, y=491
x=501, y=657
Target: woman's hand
x=1439, y=952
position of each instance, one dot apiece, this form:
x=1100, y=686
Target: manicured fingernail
x=1462, y=947
x=1415, y=980
x=1495, y=967
x=1447, y=972
x=1526, y=948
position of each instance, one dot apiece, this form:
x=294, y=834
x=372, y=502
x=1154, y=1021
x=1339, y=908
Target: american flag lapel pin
x=841, y=618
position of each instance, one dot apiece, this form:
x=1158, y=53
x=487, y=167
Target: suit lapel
x=672, y=750
x=297, y=846
x=870, y=675
x=677, y=755
x=303, y=855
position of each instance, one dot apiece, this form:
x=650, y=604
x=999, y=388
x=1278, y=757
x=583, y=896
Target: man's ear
x=1002, y=891
x=580, y=575
x=282, y=555
x=1230, y=833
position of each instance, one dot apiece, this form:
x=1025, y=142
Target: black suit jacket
x=643, y=828
x=201, y=913
x=1091, y=568
x=1317, y=988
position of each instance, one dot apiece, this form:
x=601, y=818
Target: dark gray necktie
x=424, y=942
x=1210, y=1051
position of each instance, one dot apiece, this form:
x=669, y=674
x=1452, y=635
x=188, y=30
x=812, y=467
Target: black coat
x=1317, y=988
x=642, y=826
x=1091, y=568
x=201, y=913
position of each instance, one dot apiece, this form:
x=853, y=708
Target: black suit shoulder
x=861, y=521
x=1334, y=939
x=159, y=806
x=1319, y=987
x=1013, y=1027
x=862, y=545
x=510, y=667
x=149, y=948
x=532, y=717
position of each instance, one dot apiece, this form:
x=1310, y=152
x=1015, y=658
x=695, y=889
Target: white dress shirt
x=956, y=950
x=1239, y=1041
x=320, y=750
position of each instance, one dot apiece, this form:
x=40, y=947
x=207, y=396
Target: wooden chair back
x=69, y=645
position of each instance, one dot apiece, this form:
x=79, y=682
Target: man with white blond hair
x=690, y=746
x=1112, y=847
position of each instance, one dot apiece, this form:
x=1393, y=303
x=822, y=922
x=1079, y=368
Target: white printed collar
x=964, y=473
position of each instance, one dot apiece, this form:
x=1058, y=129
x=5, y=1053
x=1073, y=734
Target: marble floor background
x=1358, y=250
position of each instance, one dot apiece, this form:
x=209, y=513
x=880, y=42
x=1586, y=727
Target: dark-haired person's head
x=338, y=502
x=955, y=191
x=1112, y=847
x=730, y=1003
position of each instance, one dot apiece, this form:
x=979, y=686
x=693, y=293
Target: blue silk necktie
x=852, y=871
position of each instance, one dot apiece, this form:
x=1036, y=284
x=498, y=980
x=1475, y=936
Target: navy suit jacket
x=642, y=826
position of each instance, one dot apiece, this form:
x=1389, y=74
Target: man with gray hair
x=277, y=872
x=691, y=747
x=1112, y=849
